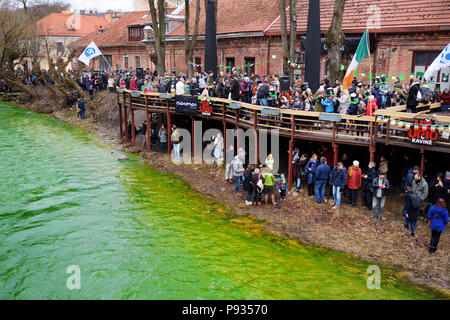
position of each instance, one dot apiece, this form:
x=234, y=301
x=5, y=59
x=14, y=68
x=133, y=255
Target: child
x=283, y=187
x=257, y=187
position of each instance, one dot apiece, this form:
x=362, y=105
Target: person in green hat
x=330, y=102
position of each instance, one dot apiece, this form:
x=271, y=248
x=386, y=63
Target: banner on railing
x=421, y=132
x=205, y=107
x=441, y=128
x=186, y=104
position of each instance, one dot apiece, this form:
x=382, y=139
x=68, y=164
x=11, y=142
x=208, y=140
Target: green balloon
x=402, y=76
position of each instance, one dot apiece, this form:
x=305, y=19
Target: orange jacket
x=354, y=178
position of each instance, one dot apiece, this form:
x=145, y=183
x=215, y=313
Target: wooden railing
x=304, y=125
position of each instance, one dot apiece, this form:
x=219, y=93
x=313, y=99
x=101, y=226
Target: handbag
x=419, y=96
x=429, y=221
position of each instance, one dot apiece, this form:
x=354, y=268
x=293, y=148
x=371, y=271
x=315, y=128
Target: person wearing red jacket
x=354, y=181
x=133, y=85
x=371, y=106
x=444, y=97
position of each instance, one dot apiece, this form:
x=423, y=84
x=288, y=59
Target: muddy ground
x=300, y=217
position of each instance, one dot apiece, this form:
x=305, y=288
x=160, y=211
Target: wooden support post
x=120, y=120
x=133, y=127
x=422, y=162
x=120, y=112
x=291, y=153
x=169, y=130
x=225, y=146
x=387, y=130
x=236, y=126
x=193, y=137
x=372, y=153
x=148, y=124
x=335, y=154
x=125, y=120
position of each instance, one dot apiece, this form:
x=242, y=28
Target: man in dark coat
x=235, y=89
x=412, y=102
x=367, y=189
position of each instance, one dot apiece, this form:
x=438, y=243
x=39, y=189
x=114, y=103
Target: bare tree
x=188, y=42
x=159, y=31
x=335, y=39
x=292, y=35
x=288, y=43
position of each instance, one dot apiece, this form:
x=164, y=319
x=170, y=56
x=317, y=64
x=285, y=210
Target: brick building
x=403, y=39
x=57, y=31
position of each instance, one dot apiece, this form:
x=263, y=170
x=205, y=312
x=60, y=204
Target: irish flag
x=361, y=52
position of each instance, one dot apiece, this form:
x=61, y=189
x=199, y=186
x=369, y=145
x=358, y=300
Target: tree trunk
x=188, y=43
x=159, y=31
x=292, y=36
x=335, y=39
x=284, y=37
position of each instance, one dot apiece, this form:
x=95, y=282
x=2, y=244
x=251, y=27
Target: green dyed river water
x=136, y=233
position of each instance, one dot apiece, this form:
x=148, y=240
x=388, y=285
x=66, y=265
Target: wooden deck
x=304, y=125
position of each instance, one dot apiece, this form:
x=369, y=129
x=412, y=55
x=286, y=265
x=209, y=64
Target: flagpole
x=107, y=63
x=370, y=64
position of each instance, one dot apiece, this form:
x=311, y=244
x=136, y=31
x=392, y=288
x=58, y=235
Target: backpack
x=415, y=201
x=427, y=95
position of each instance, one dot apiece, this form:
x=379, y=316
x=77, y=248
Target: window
x=125, y=62
x=198, y=64
x=59, y=48
x=249, y=64
x=230, y=62
x=135, y=34
x=138, y=62
x=103, y=65
x=422, y=60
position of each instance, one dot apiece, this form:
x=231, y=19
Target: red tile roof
x=248, y=16
x=115, y=35
x=235, y=16
x=59, y=24
x=395, y=15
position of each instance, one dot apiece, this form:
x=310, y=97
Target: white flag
x=90, y=52
x=442, y=61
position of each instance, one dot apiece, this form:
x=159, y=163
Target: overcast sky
x=102, y=5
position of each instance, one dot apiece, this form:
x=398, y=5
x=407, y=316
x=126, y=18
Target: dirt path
x=301, y=218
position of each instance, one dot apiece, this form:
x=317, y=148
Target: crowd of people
x=310, y=169
x=363, y=98
x=360, y=99
x=346, y=180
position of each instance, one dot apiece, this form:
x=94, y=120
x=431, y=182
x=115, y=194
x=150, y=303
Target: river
x=136, y=233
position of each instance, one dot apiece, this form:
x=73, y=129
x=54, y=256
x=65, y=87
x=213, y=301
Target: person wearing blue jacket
x=338, y=179
x=322, y=175
x=438, y=215
x=311, y=168
x=329, y=102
